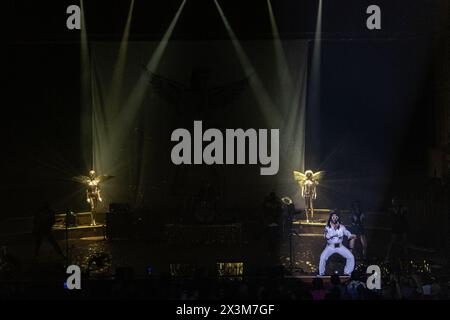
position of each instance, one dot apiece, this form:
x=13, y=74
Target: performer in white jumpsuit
x=334, y=233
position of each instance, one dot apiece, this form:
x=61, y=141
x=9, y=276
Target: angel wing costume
x=308, y=182
x=93, y=191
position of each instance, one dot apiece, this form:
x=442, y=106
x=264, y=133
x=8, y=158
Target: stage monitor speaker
x=119, y=221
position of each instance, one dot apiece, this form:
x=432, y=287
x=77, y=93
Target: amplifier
x=119, y=221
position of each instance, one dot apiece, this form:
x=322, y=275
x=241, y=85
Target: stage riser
x=374, y=220
x=319, y=230
x=203, y=235
x=82, y=218
x=79, y=233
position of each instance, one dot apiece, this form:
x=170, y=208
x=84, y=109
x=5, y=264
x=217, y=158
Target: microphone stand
x=67, y=238
x=291, y=255
x=291, y=231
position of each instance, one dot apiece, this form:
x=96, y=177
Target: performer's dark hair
x=357, y=204
x=336, y=212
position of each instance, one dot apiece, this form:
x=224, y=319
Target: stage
x=200, y=245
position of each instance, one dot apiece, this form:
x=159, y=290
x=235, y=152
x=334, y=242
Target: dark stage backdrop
x=370, y=126
x=356, y=131
x=204, y=81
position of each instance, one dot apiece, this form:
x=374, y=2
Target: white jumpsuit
x=334, y=245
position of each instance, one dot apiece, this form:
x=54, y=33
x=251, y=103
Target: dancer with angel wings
x=93, y=191
x=308, y=182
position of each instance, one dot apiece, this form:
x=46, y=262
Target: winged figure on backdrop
x=308, y=182
x=200, y=97
x=197, y=99
x=93, y=190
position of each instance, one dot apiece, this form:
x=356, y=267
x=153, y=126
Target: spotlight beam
x=117, y=79
x=292, y=101
x=111, y=124
x=317, y=48
x=296, y=124
x=104, y=114
x=283, y=71
x=100, y=136
x=86, y=116
x=137, y=95
x=270, y=112
x=314, y=101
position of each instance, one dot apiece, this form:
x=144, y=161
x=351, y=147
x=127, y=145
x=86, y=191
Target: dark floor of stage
x=159, y=251
x=145, y=256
